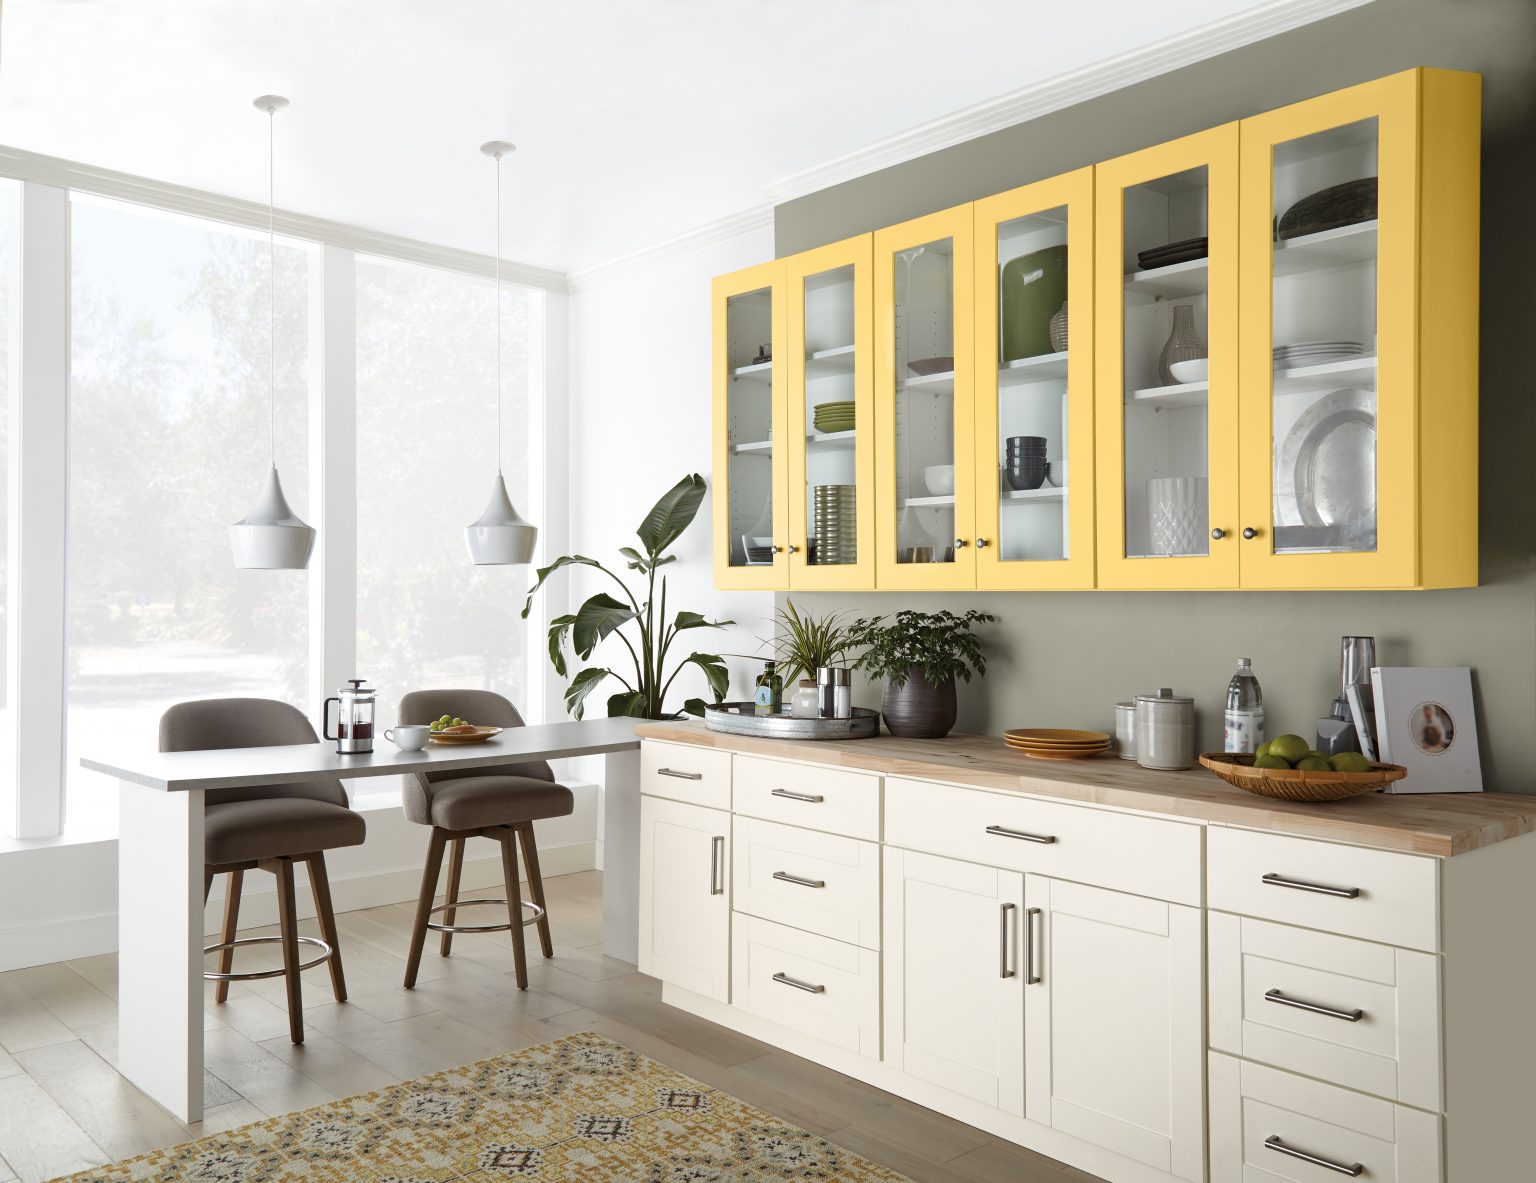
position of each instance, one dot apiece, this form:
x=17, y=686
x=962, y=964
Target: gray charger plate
x=739, y=718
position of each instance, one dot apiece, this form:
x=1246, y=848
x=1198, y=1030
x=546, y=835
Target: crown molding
x=1064, y=90
x=725, y=229
x=85, y=178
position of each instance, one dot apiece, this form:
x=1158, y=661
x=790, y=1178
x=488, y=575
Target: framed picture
x=1425, y=722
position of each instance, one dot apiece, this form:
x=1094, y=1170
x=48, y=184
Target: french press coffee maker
x=355, y=704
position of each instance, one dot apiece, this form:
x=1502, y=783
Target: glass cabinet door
x=830, y=383
x=750, y=453
x=924, y=343
x=1332, y=323
x=1166, y=382
x=1034, y=388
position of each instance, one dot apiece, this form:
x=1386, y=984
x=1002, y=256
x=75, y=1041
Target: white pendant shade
x=271, y=537
x=500, y=536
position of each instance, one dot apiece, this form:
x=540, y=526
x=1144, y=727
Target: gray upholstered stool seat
x=268, y=828
x=500, y=803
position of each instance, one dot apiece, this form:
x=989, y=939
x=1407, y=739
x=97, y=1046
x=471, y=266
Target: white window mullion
x=549, y=499
x=39, y=519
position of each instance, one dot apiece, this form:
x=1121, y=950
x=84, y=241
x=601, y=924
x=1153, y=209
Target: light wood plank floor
x=63, y=1106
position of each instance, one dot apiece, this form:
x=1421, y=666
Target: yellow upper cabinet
x=1034, y=386
x=829, y=380
x=1358, y=338
x=924, y=383
x=751, y=471
x=1166, y=380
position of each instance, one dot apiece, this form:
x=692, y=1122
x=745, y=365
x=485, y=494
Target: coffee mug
x=409, y=737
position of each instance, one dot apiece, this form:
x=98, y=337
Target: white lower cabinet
x=954, y=982
x=1113, y=1022
x=829, y=990
x=685, y=903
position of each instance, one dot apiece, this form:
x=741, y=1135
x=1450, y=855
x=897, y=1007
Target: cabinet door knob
x=778, y=550
x=1250, y=532
x=982, y=544
x=793, y=549
x=1218, y=533
x=959, y=542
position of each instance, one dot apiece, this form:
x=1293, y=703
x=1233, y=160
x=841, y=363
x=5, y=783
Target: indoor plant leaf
x=628, y=703
x=697, y=620
x=598, y=617
x=558, y=628
x=670, y=516
x=564, y=561
x=581, y=686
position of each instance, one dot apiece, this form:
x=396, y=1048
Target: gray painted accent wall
x=1064, y=658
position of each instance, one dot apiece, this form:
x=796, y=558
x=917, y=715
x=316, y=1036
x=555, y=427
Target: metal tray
x=741, y=718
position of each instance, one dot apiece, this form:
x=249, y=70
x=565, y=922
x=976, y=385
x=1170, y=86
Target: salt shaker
x=1165, y=730
x=1125, y=730
x=834, y=687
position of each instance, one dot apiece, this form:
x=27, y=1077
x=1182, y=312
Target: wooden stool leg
x=231, y=923
x=429, y=876
x=455, y=869
x=535, y=884
x=288, y=921
x=514, y=903
x=320, y=887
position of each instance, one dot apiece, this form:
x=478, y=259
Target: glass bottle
x=1245, y=710
x=770, y=689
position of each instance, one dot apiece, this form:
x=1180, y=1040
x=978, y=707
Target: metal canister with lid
x=1165, y=730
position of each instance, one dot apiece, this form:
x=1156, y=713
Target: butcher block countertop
x=1434, y=824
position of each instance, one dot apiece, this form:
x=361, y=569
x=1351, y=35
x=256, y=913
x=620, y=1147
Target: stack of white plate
x=1315, y=353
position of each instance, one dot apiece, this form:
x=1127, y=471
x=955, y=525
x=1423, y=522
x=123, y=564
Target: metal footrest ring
x=536, y=914
x=210, y=975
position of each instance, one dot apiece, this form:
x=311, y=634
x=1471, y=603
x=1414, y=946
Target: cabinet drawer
x=1262, y=1119
x=683, y=772
x=1141, y=855
x=822, y=883
x=1358, y=892
x=1363, y=1015
x=809, y=795
x=826, y=989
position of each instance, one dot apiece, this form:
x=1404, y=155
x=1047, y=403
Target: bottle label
x=1244, y=731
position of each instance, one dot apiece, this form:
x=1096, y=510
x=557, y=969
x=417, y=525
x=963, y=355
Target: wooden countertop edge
x=1472, y=820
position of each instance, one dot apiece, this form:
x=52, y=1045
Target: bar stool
x=500, y=803
x=268, y=828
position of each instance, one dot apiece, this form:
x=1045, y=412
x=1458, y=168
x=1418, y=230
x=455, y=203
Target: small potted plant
x=919, y=655
x=804, y=644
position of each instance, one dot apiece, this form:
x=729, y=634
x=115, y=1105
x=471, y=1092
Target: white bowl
x=940, y=479
x=1197, y=370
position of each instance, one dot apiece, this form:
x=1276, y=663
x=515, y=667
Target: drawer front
x=809, y=795
x=1374, y=894
x=1351, y=1012
x=1141, y=855
x=822, y=883
x=818, y=987
x=1262, y=1119
x=683, y=772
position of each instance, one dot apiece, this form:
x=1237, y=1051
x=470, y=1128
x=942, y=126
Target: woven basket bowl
x=1296, y=784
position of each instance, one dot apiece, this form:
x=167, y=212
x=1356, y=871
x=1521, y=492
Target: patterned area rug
x=580, y=1108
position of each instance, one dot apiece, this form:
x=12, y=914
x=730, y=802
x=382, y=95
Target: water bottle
x=1245, y=710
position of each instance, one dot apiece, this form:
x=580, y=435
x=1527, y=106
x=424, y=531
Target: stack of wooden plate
x=1056, y=743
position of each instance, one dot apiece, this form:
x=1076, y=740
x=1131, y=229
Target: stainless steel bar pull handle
x=786, y=877
x=786, y=980
x=716, y=858
x=1031, y=978
x=679, y=774
x=1349, y=1016
x=1004, y=913
x=1347, y=893
x=813, y=798
x=1354, y=1170
x=1005, y=832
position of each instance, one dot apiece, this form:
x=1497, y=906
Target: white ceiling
x=636, y=120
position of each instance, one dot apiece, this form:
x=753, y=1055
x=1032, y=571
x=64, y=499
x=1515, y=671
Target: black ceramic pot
x=918, y=709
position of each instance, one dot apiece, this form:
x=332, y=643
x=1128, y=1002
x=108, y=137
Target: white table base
x=621, y=855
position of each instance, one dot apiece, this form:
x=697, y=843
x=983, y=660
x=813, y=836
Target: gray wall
x=1062, y=658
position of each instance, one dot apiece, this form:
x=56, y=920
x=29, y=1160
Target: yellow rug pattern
x=580, y=1108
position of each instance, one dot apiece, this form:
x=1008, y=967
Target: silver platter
x=740, y=718
x=1325, y=472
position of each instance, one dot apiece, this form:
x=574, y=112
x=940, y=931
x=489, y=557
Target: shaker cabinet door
x=685, y=903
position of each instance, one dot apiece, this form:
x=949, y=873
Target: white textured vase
x=1177, y=508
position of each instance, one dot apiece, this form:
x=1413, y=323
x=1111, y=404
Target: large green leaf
x=558, y=627
x=670, y=516
x=581, y=686
x=697, y=620
x=694, y=707
x=715, y=671
x=562, y=561
x=630, y=703
x=598, y=617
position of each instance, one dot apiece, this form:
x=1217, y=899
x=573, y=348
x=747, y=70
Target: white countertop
x=230, y=768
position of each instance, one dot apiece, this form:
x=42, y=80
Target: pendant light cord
x=271, y=287
x=498, y=314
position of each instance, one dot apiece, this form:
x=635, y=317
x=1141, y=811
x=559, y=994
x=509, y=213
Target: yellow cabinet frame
x=1428, y=128
x=1073, y=190
x=956, y=225
x=857, y=253
x=1217, y=151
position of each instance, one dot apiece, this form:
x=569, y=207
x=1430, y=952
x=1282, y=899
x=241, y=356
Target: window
x=168, y=446
x=426, y=456
x=10, y=224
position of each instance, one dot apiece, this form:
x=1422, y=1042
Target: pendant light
x=271, y=537
x=500, y=537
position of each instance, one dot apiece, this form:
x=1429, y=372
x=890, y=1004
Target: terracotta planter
x=918, y=709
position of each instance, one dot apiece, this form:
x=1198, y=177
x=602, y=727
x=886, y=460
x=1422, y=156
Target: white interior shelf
x=927, y=502
x=1326, y=248
x=1357, y=371
x=826, y=362
x=831, y=441
x=1177, y=279
x=932, y=383
x=1046, y=367
x=753, y=448
x=1042, y=494
x=1184, y=394
x=761, y=372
